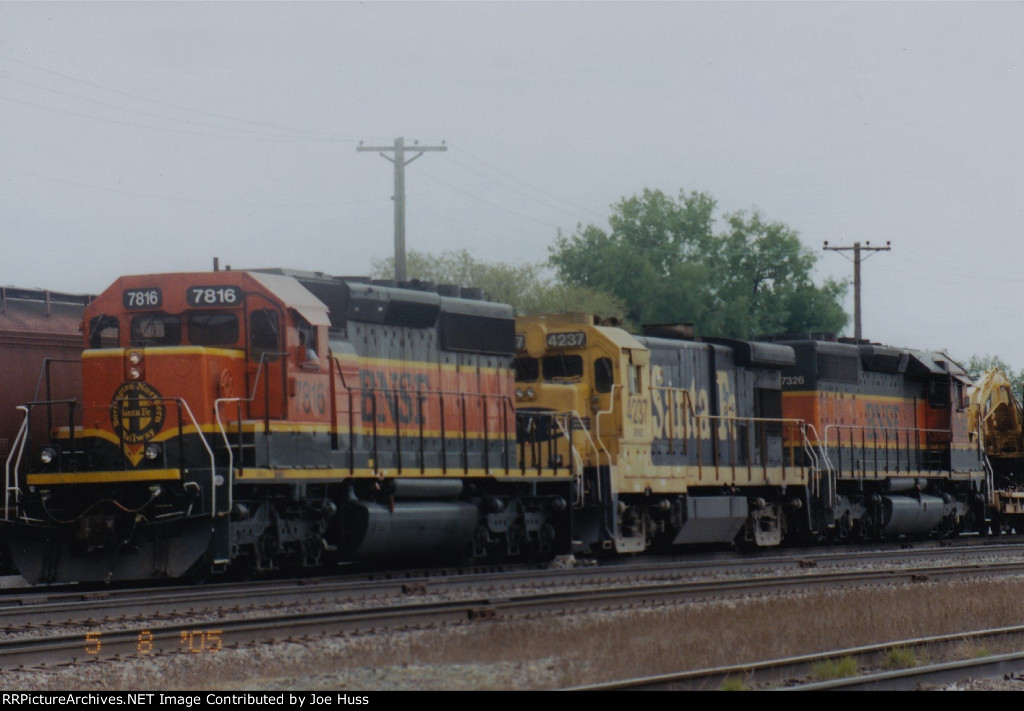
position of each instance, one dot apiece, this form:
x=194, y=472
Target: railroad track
x=72, y=627
x=866, y=668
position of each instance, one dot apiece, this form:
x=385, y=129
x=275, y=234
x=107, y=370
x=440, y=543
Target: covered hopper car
x=40, y=355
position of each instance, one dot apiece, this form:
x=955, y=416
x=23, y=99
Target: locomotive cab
x=186, y=379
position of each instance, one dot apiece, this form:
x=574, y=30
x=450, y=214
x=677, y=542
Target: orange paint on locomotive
x=873, y=418
x=409, y=397
x=138, y=393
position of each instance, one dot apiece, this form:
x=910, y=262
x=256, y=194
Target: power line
x=244, y=132
x=321, y=134
x=534, y=187
x=282, y=139
x=171, y=198
x=483, y=201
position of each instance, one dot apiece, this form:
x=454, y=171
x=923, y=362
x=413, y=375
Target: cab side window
x=264, y=334
x=307, y=340
x=634, y=378
x=604, y=379
x=527, y=369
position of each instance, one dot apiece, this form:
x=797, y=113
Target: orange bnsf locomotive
x=891, y=426
x=675, y=441
x=264, y=419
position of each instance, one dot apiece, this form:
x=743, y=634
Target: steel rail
x=102, y=638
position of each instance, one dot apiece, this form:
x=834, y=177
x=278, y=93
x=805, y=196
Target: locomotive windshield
x=203, y=328
x=155, y=330
x=212, y=328
x=563, y=367
x=527, y=369
x=554, y=367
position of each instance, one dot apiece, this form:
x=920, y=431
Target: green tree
x=664, y=260
x=525, y=287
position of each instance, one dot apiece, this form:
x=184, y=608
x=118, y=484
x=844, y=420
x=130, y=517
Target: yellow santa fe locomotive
x=263, y=419
x=672, y=440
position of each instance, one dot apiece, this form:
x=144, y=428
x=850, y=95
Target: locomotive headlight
x=135, y=357
x=152, y=451
x=47, y=455
x=519, y=393
x=135, y=372
x=530, y=393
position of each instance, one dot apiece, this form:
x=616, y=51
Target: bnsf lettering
x=394, y=394
x=882, y=415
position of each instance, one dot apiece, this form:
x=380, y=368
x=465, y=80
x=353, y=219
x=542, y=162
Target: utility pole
x=857, y=248
x=400, y=162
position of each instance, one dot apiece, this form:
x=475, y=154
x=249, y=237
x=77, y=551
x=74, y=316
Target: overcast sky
x=142, y=137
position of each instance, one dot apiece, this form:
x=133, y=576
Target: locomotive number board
x=573, y=339
x=146, y=298
x=214, y=296
x=152, y=297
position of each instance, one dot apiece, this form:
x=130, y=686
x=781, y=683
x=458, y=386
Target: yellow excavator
x=995, y=418
x=995, y=414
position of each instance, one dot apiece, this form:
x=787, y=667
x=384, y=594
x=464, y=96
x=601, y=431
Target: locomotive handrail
x=17, y=449
x=563, y=421
x=21, y=440
x=266, y=385
x=575, y=454
x=597, y=432
x=181, y=403
x=227, y=442
x=420, y=392
x=813, y=453
x=863, y=429
x=464, y=399
x=264, y=358
x=689, y=413
x=44, y=376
